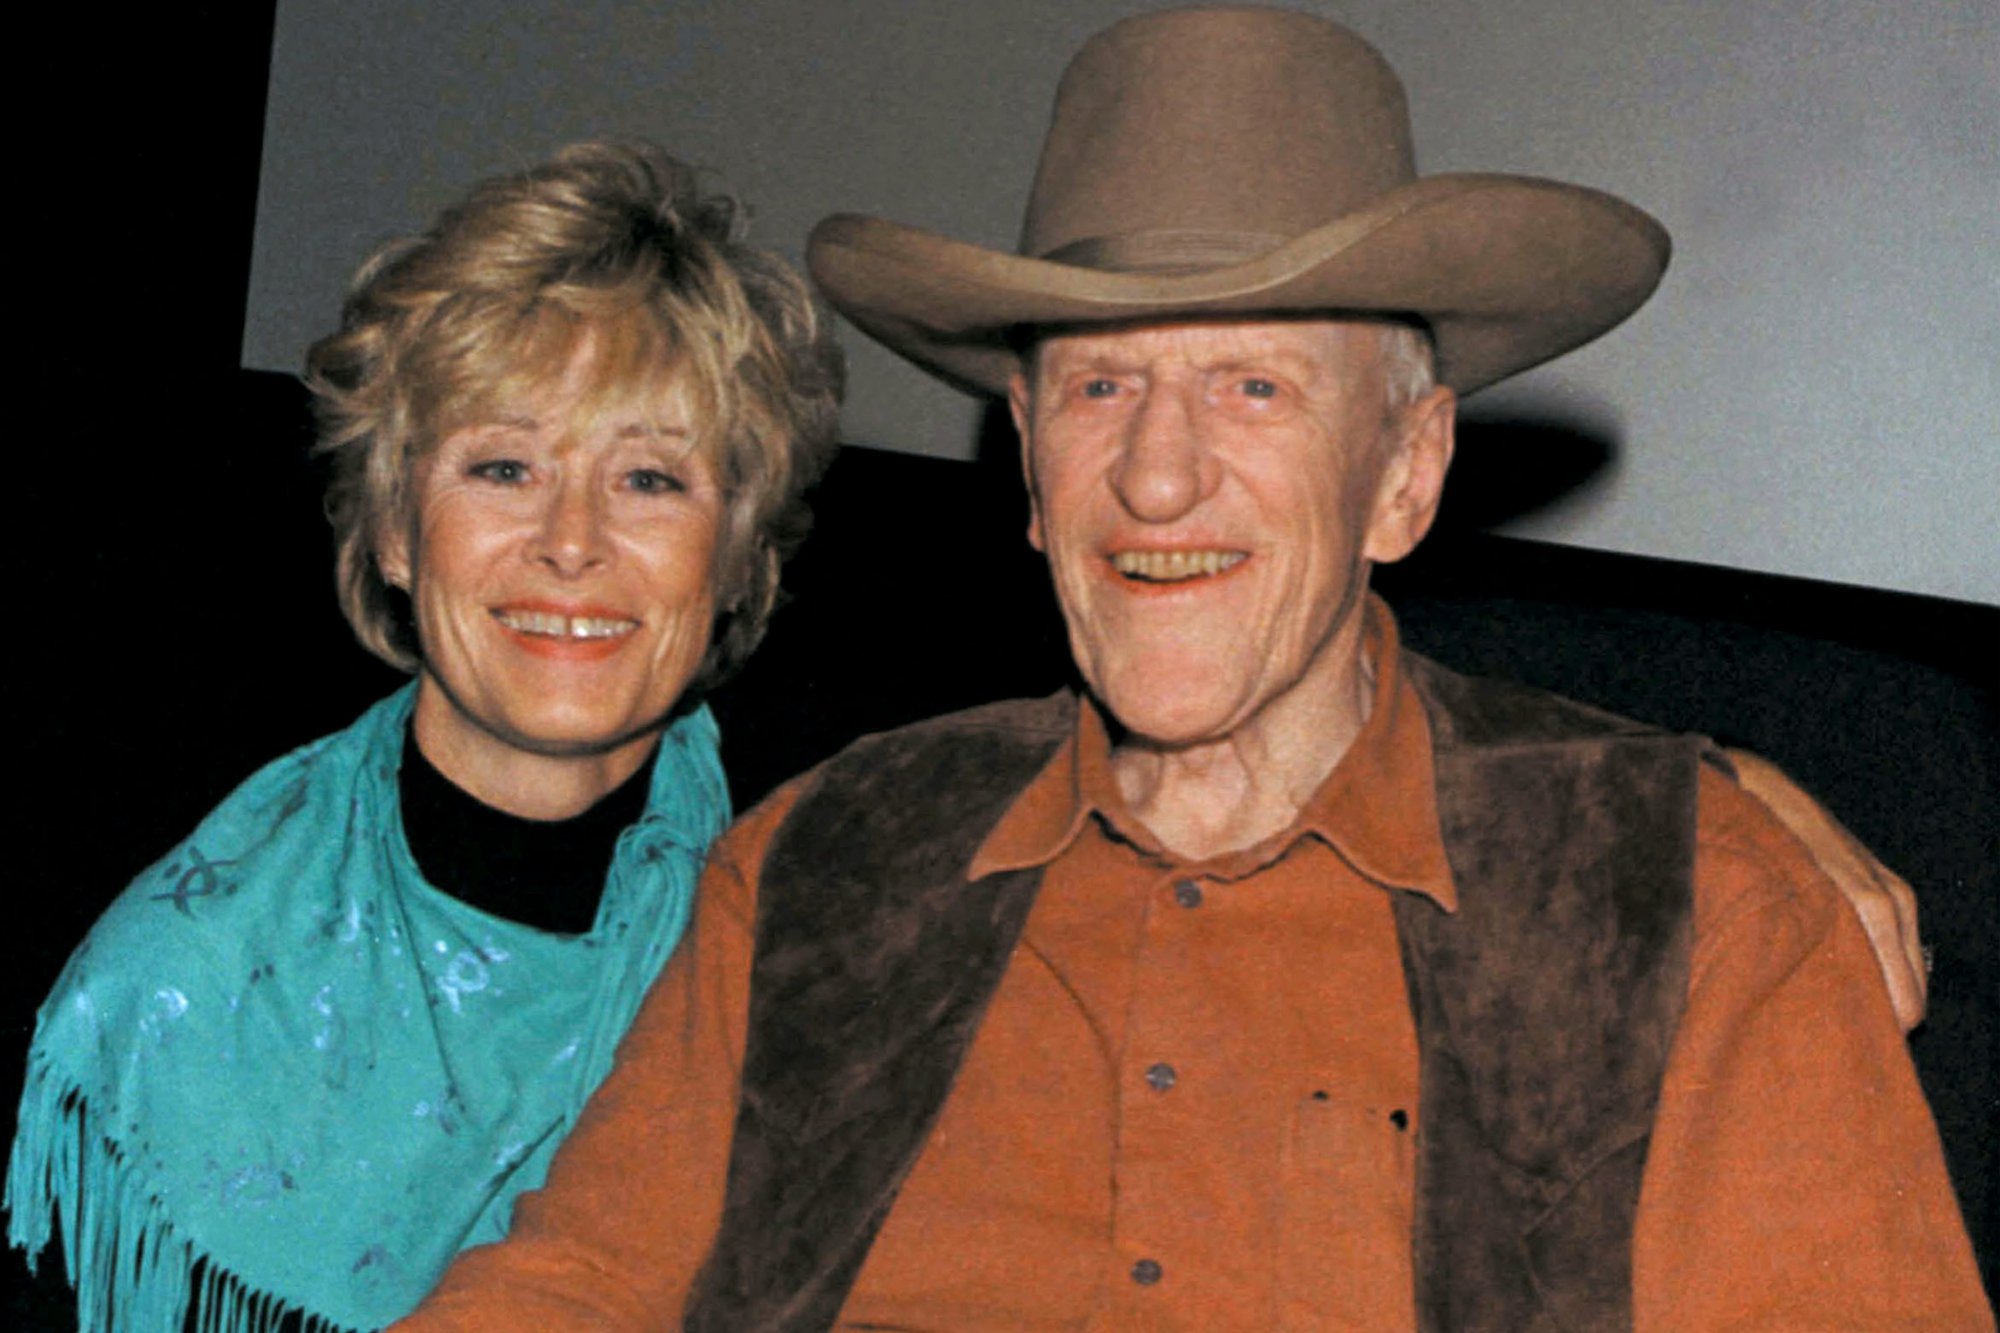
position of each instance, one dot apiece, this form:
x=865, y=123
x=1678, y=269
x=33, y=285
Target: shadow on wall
x=1510, y=466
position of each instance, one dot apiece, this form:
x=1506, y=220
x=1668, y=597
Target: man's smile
x=1175, y=566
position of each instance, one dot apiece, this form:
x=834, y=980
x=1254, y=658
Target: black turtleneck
x=543, y=873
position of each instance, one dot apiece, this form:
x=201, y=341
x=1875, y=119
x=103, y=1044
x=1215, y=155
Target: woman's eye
x=1256, y=386
x=506, y=471
x=653, y=481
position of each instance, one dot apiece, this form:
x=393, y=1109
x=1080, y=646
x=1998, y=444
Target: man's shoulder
x=1485, y=711
x=953, y=748
x=1049, y=717
x=926, y=784
x=1746, y=861
x=946, y=757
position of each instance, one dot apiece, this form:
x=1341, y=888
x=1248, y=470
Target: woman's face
x=561, y=565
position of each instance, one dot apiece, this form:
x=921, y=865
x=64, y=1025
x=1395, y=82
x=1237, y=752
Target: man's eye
x=1258, y=387
x=1099, y=388
x=653, y=481
x=506, y=471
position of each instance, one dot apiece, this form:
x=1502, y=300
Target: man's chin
x=1177, y=723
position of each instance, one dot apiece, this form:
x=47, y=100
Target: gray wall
x=1814, y=391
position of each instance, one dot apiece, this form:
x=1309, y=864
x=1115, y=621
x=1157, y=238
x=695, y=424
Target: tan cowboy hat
x=1216, y=162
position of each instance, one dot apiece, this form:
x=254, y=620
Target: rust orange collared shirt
x=1193, y=1100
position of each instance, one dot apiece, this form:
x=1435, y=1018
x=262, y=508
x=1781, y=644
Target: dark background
x=179, y=628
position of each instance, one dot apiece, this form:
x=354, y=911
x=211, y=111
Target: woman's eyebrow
x=649, y=429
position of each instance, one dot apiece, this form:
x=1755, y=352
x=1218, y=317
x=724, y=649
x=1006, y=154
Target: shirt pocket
x=1345, y=1198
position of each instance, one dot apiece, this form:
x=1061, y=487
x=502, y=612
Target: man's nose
x=572, y=538
x=1166, y=469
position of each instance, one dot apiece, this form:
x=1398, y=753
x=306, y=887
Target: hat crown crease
x=1197, y=123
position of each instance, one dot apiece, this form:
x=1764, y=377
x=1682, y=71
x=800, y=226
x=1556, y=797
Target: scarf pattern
x=283, y=1075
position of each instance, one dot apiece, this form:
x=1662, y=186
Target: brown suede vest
x=1544, y=1006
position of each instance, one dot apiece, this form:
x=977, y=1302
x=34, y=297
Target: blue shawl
x=283, y=1073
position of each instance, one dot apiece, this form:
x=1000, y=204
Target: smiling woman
x=561, y=567
x=324, y=1043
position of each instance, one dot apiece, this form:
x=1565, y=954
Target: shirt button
x=1161, y=1076
x=1146, y=1272
x=1187, y=893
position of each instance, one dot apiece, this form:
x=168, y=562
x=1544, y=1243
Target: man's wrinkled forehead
x=1315, y=345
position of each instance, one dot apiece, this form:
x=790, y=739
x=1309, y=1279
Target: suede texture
x=1544, y=1007
x=875, y=962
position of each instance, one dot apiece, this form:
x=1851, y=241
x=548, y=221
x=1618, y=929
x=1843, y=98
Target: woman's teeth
x=564, y=627
x=1172, y=566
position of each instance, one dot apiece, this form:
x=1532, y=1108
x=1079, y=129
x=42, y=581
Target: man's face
x=1210, y=496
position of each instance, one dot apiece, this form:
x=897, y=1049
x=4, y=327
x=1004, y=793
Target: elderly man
x=1288, y=981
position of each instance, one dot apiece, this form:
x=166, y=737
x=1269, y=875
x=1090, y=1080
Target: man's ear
x=1412, y=482
x=1018, y=408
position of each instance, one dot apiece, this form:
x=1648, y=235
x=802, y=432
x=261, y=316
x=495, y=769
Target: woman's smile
x=582, y=635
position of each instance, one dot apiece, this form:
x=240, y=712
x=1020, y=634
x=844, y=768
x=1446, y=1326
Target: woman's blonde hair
x=611, y=242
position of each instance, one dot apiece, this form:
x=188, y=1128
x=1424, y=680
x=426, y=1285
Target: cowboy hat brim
x=1507, y=271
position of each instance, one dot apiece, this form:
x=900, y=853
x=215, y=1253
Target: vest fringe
x=132, y=1271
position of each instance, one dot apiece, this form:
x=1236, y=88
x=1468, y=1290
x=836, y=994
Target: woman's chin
x=540, y=724
x=570, y=737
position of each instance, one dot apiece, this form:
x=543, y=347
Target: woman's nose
x=572, y=537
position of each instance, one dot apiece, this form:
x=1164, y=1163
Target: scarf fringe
x=133, y=1273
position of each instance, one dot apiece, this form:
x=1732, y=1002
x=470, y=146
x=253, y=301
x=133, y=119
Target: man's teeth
x=1168, y=566
x=564, y=627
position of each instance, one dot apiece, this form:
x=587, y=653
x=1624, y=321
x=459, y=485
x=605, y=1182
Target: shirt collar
x=1377, y=809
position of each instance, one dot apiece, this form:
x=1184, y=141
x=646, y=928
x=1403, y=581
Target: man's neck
x=1221, y=796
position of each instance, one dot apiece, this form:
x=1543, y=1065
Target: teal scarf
x=283, y=1073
